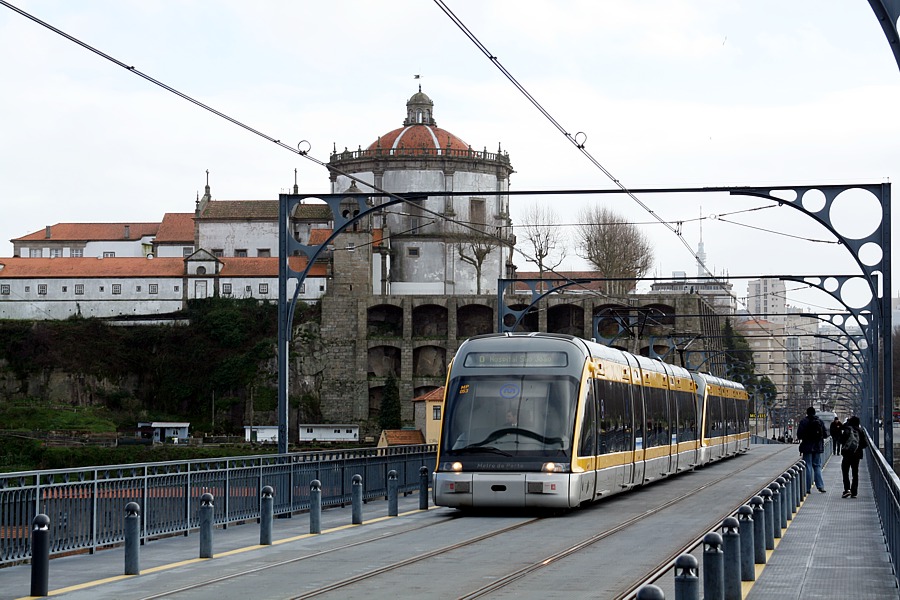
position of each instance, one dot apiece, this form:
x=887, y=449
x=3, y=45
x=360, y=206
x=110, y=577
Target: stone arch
x=608, y=326
x=376, y=395
x=474, y=319
x=429, y=361
x=566, y=318
x=384, y=320
x=429, y=321
x=529, y=321
x=660, y=314
x=383, y=361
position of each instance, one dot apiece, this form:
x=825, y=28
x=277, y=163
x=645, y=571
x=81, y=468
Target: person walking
x=836, y=431
x=853, y=442
x=811, y=433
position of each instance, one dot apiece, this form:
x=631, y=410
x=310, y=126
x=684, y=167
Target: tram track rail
x=628, y=591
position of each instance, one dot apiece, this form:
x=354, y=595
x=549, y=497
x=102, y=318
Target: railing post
x=266, y=514
x=687, y=578
x=315, y=506
x=206, y=525
x=392, y=493
x=132, y=538
x=356, y=498
x=759, y=530
x=745, y=518
x=766, y=495
x=731, y=545
x=40, y=555
x=713, y=567
x=423, y=488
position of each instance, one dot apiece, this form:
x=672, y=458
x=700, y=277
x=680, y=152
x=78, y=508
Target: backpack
x=851, y=442
x=815, y=430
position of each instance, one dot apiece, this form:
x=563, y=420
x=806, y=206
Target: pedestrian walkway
x=834, y=548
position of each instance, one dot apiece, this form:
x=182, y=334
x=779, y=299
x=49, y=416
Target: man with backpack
x=811, y=433
x=852, y=441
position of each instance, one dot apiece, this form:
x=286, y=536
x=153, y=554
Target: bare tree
x=473, y=247
x=615, y=247
x=540, y=230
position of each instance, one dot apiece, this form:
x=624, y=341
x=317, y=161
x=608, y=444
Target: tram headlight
x=455, y=466
x=553, y=467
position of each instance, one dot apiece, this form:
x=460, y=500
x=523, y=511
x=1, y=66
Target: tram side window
x=730, y=425
x=589, y=424
x=687, y=419
x=656, y=417
x=615, y=417
x=743, y=416
x=714, y=425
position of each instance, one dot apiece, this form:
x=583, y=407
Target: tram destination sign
x=516, y=359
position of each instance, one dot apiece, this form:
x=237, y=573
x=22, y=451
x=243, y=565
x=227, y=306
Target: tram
x=537, y=420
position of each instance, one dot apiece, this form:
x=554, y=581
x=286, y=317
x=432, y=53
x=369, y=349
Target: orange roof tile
x=86, y=232
x=435, y=394
x=403, y=437
x=241, y=209
x=265, y=267
x=52, y=268
x=317, y=237
x=176, y=227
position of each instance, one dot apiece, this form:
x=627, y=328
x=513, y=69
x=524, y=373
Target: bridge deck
x=834, y=548
x=809, y=561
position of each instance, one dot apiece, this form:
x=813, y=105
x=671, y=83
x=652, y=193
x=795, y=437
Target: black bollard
x=356, y=498
x=266, y=514
x=713, y=567
x=776, y=509
x=650, y=592
x=788, y=502
x=803, y=482
x=40, y=555
x=796, y=470
x=392, y=493
x=781, y=481
x=759, y=530
x=766, y=495
x=687, y=578
x=745, y=518
x=132, y=538
x=315, y=506
x=731, y=546
x=423, y=488
x=206, y=526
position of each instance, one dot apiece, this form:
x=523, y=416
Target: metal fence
x=886, y=485
x=87, y=506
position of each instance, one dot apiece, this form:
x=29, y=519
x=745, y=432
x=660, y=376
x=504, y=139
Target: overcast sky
x=668, y=93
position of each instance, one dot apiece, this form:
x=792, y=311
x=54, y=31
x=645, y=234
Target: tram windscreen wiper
x=477, y=448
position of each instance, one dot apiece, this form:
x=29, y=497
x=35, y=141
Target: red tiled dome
x=419, y=130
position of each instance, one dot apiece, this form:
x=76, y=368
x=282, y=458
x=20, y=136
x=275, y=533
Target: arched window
x=201, y=270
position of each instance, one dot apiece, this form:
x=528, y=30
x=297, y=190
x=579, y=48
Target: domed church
x=438, y=245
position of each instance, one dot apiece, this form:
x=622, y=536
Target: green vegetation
x=204, y=372
x=389, y=415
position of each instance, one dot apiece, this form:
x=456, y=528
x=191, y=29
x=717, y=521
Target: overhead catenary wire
x=304, y=152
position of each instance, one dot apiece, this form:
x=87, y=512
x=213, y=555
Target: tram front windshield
x=521, y=416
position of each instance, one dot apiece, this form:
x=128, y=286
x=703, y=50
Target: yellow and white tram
x=554, y=421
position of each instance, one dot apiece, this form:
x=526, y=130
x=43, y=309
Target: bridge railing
x=87, y=506
x=886, y=486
